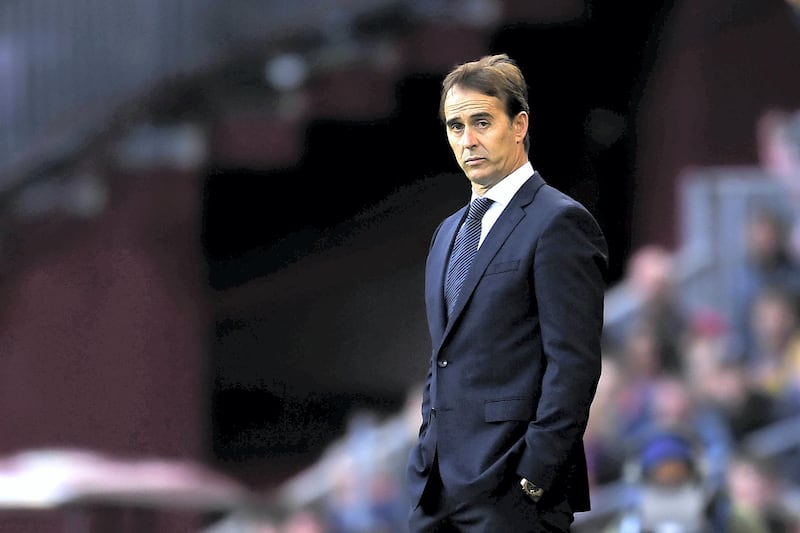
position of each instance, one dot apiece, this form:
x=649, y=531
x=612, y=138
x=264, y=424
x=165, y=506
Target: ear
x=520, y=125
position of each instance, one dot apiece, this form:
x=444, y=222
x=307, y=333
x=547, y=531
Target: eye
x=456, y=127
x=482, y=124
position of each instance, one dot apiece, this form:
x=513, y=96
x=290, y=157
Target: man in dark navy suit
x=516, y=350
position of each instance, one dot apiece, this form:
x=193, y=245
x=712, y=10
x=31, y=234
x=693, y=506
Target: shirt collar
x=504, y=190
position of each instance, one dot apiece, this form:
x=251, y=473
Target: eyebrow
x=477, y=116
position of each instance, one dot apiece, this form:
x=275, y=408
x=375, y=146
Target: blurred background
x=215, y=216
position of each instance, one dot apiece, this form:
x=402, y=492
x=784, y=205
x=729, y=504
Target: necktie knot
x=478, y=207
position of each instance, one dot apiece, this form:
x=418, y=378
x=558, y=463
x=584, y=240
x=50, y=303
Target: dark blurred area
x=216, y=214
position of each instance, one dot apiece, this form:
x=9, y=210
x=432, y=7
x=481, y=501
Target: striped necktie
x=464, y=249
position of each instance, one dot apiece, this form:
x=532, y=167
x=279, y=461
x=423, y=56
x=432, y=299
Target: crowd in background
x=698, y=407
x=697, y=412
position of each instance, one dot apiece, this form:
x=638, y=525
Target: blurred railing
x=716, y=203
x=64, y=66
x=67, y=66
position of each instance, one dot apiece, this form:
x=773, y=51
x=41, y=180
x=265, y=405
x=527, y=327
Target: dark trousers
x=508, y=511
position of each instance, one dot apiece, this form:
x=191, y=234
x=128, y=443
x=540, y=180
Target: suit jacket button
x=442, y=363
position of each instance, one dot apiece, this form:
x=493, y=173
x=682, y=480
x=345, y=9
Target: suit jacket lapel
x=439, y=255
x=512, y=214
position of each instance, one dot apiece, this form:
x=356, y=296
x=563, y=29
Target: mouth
x=472, y=161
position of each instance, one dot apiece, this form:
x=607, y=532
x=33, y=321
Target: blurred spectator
x=368, y=471
x=778, y=142
x=776, y=351
x=756, y=506
x=775, y=367
x=768, y=263
x=676, y=407
x=641, y=368
x=605, y=452
x=724, y=395
x=649, y=282
x=778, y=152
x=365, y=503
x=366, y=495
x=671, y=495
x=706, y=344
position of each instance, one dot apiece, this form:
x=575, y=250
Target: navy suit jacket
x=514, y=370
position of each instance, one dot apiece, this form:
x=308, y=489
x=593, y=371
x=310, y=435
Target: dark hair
x=494, y=75
x=667, y=445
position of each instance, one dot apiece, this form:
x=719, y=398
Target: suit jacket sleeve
x=569, y=278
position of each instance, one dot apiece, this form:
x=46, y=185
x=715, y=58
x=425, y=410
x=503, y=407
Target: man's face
x=486, y=143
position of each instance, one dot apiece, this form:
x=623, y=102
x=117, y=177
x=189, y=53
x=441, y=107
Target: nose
x=468, y=139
